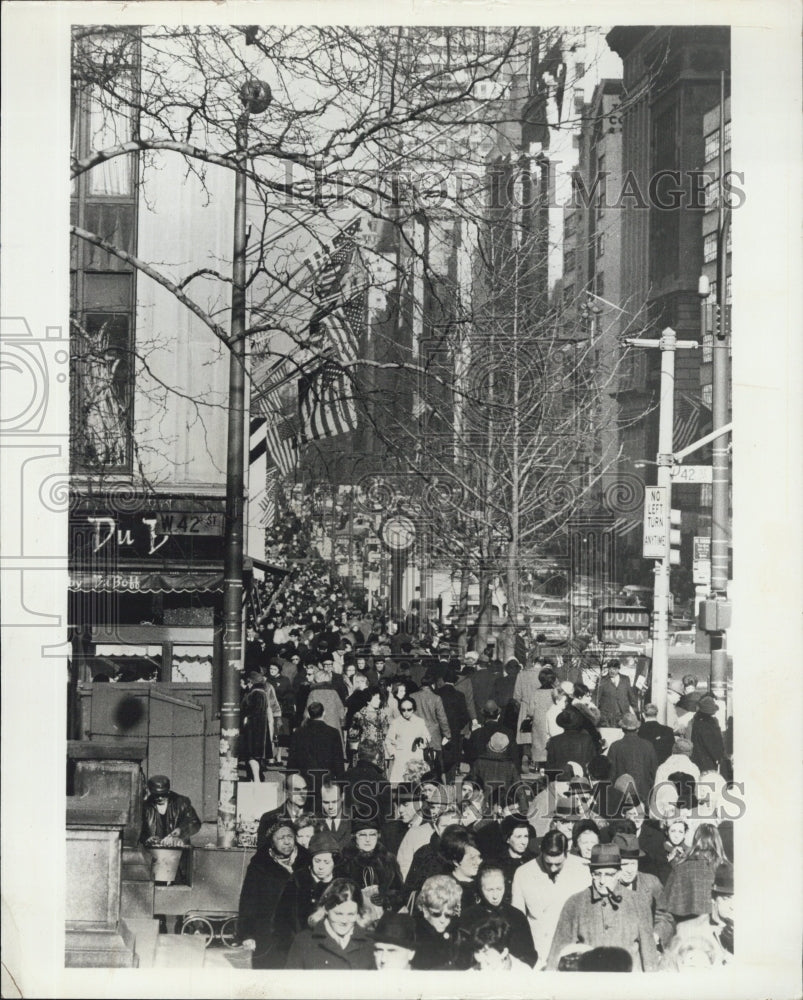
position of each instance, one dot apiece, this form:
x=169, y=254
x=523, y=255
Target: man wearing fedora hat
x=602, y=917
x=646, y=888
x=394, y=941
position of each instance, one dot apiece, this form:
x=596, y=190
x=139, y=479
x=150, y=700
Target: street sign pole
x=668, y=344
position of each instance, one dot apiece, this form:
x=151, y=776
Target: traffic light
x=674, y=537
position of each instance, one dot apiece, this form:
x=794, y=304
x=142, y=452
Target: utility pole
x=668, y=344
x=720, y=499
x=256, y=97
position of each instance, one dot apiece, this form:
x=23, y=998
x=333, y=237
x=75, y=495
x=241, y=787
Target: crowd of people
x=446, y=810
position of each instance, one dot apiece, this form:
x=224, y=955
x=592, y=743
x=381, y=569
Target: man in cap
x=646, y=888
x=541, y=887
x=167, y=818
x=394, y=941
x=600, y=916
x=634, y=756
x=654, y=732
x=715, y=927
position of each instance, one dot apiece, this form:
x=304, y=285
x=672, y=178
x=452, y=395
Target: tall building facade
x=671, y=79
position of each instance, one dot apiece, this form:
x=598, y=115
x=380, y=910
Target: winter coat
x=439, y=952
x=261, y=712
x=521, y=940
x=661, y=737
x=317, y=949
x=334, y=711
x=634, y=756
x=315, y=746
x=614, y=700
x=264, y=882
x=706, y=737
x=378, y=868
x=399, y=741
x=297, y=902
x=573, y=744
x=430, y=707
x=524, y=691
x=179, y=815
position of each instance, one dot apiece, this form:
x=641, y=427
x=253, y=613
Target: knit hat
x=323, y=842
x=358, y=825
x=629, y=722
x=708, y=705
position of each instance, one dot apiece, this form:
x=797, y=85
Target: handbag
x=527, y=725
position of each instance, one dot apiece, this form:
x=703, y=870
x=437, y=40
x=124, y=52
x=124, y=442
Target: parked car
x=685, y=638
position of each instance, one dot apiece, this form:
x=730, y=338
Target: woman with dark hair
x=585, y=837
x=462, y=858
x=515, y=833
x=369, y=728
x=573, y=744
x=583, y=701
x=490, y=947
x=439, y=942
x=687, y=892
x=406, y=740
x=335, y=939
x=270, y=869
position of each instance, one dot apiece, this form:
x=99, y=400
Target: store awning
x=147, y=583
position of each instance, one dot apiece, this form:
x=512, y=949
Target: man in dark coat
x=616, y=695
x=457, y=715
x=269, y=871
x=634, y=756
x=661, y=737
x=166, y=814
x=482, y=682
x=477, y=743
x=315, y=748
x=706, y=736
x=407, y=803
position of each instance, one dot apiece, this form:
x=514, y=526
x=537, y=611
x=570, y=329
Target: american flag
x=687, y=422
x=325, y=403
x=267, y=505
x=325, y=395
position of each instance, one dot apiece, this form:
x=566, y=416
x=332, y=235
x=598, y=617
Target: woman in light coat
x=407, y=737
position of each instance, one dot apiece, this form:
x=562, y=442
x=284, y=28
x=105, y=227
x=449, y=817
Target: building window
x=599, y=284
x=568, y=260
x=600, y=244
x=709, y=247
x=712, y=142
x=102, y=392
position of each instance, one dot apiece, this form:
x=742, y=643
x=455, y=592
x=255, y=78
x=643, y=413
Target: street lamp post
x=256, y=97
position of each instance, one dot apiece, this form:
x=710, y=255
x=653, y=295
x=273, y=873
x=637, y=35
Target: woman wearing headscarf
x=371, y=865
